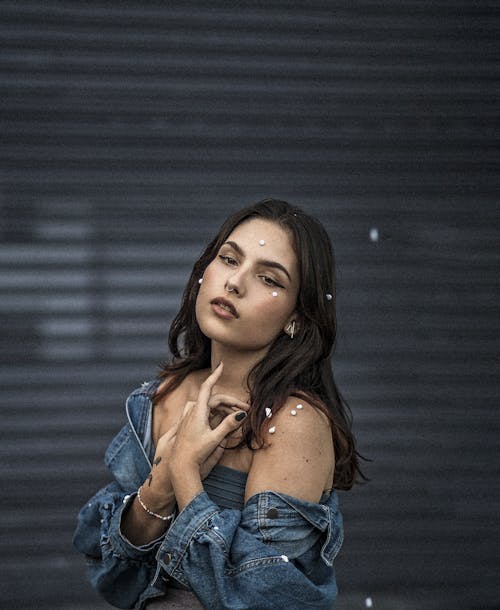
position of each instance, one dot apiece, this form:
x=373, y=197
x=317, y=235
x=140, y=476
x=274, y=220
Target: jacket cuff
x=121, y=545
x=187, y=524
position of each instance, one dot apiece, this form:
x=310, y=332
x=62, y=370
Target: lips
x=225, y=305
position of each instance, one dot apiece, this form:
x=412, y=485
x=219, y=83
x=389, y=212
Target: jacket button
x=167, y=558
x=272, y=513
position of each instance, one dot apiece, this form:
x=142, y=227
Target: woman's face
x=249, y=290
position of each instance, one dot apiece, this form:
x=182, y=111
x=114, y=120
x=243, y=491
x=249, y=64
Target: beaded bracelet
x=150, y=512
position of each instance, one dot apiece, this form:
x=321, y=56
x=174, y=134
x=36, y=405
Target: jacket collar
x=127, y=456
x=138, y=408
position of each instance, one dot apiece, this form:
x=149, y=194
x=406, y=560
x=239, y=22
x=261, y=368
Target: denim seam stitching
x=255, y=563
x=184, y=549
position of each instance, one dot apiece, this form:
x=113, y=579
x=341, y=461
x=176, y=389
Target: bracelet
x=150, y=512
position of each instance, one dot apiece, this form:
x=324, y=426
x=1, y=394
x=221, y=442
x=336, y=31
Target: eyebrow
x=267, y=263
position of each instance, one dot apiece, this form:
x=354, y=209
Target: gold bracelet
x=150, y=512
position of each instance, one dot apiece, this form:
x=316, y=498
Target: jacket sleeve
x=119, y=570
x=276, y=553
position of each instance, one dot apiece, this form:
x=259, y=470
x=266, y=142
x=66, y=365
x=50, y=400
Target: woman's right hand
x=220, y=405
x=157, y=491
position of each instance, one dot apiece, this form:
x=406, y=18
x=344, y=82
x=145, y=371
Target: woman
x=224, y=476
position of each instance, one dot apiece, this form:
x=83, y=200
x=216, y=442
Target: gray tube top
x=226, y=487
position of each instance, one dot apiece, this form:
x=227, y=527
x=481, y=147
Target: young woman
x=224, y=476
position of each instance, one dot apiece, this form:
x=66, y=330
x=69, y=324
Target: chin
x=230, y=340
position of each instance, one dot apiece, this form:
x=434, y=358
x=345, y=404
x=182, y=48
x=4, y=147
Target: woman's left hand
x=196, y=443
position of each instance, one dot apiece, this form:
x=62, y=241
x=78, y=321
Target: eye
x=228, y=260
x=269, y=281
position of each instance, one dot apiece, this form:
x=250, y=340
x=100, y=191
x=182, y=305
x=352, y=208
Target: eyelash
x=269, y=281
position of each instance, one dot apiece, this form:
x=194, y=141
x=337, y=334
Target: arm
x=278, y=551
x=119, y=570
x=157, y=492
x=118, y=537
x=298, y=458
x=196, y=442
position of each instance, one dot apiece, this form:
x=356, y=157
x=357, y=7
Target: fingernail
x=220, y=362
x=239, y=416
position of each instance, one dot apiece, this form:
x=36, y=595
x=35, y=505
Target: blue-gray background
x=129, y=130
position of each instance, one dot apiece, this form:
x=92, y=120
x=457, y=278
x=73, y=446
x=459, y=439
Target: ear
x=292, y=325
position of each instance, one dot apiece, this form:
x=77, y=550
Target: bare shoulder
x=298, y=457
x=298, y=418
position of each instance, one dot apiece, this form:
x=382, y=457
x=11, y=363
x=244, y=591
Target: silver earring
x=291, y=329
x=200, y=280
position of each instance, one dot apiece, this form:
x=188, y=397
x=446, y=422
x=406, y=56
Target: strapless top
x=226, y=487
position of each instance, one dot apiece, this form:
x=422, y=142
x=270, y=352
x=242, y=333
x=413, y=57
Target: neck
x=237, y=366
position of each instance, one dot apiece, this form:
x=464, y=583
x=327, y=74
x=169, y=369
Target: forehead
x=278, y=244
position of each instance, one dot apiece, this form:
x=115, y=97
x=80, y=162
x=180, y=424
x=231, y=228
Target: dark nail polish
x=239, y=416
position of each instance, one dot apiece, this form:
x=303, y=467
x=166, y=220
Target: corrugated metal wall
x=129, y=130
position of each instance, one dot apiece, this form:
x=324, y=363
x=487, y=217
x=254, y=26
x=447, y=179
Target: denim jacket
x=277, y=552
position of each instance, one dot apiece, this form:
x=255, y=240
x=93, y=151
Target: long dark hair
x=300, y=367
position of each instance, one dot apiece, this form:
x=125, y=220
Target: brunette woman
x=225, y=474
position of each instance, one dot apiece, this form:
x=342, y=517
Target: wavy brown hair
x=301, y=367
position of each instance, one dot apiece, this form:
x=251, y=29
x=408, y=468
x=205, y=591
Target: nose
x=235, y=284
x=231, y=288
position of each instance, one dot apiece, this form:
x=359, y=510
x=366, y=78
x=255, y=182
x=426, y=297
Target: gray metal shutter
x=129, y=131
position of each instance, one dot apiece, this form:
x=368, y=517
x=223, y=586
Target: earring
x=290, y=329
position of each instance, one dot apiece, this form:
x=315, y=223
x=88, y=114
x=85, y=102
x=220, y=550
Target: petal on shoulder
x=297, y=458
x=300, y=415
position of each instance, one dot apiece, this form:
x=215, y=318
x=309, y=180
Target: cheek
x=211, y=275
x=273, y=311
x=210, y=287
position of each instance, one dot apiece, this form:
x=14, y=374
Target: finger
x=169, y=434
x=206, y=387
x=225, y=399
x=166, y=440
x=215, y=456
x=229, y=425
x=184, y=416
x=221, y=411
x=187, y=408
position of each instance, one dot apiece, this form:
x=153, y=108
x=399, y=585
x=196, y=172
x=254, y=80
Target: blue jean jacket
x=232, y=559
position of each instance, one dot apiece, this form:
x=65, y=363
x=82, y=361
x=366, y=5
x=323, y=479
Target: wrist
x=152, y=513
x=182, y=468
x=160, y=501
x=187, y=483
